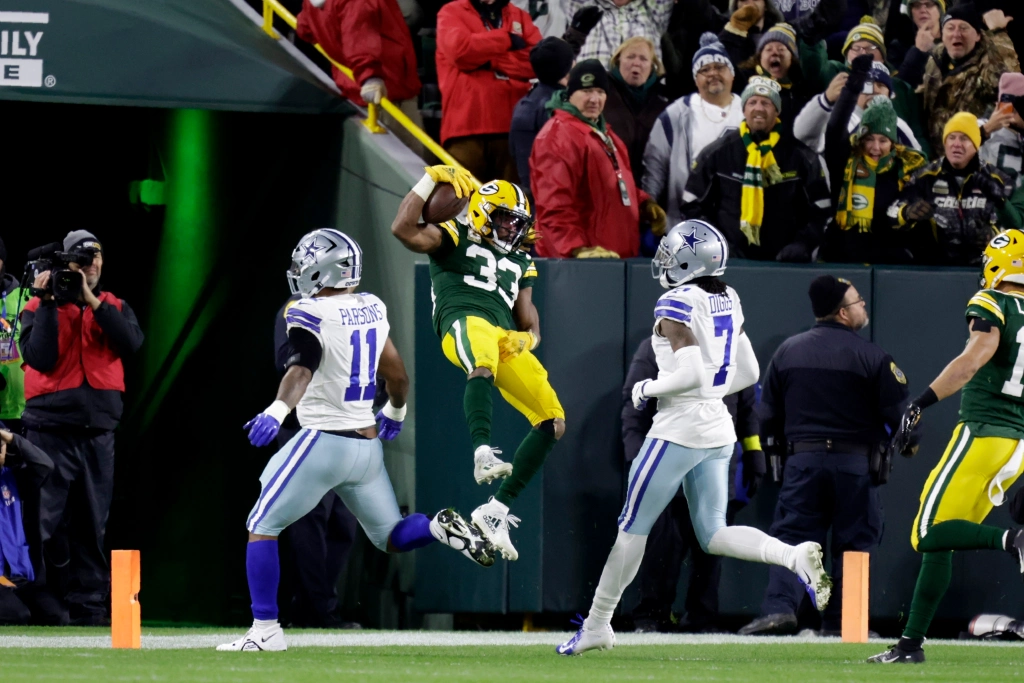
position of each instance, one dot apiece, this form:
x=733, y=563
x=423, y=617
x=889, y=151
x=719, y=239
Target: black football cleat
x=903, y=652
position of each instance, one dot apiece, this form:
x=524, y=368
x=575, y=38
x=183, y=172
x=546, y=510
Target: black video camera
x=65, y=284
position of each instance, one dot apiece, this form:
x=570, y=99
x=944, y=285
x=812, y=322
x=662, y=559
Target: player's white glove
x=639, y=399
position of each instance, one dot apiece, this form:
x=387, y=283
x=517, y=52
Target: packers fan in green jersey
x=482, y=279
x=985, y=455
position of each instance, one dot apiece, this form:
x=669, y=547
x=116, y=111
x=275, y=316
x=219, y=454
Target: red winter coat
x=577, y=192
x=368, y=36
x=474, y=100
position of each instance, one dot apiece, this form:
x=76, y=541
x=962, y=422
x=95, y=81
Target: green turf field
x=23, y=656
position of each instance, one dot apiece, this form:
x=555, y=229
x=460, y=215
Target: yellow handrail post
x=272, y=7
x=268, y=20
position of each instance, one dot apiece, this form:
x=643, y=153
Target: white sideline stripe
x=24, y=17
x=438, y=639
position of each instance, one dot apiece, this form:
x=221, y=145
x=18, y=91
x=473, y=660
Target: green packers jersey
x=994, y=398
x=468, y=276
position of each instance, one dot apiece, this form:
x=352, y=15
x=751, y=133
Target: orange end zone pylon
x=856, y=585
x=125, y=610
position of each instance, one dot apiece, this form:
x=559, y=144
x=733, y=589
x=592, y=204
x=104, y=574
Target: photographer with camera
x=73, y=339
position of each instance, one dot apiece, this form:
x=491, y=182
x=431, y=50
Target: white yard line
x=432, y=639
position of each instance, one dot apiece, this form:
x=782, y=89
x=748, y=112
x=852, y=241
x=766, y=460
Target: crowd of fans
x=881, y=131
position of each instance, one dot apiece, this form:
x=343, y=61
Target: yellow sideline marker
x=125, y=610
x=856, y=582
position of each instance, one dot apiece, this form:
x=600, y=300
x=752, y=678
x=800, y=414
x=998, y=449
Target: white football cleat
x=811, y=571
x=602, y=639
x=258, y=640
x=487, y=467
x=450, y=528
x=492, y=519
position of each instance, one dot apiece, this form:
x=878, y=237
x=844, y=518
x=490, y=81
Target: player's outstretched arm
x=981, y=346
x=689, y=373
x=264, y=427
x=426, y=238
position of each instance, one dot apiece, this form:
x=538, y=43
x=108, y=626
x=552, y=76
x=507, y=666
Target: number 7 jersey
x=698, y=418
x=352, y=330
x=995, y=395
x=468, y=276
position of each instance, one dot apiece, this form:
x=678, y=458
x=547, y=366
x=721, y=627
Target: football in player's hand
x=442, y=204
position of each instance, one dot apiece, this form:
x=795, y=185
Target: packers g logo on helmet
x=500, y=211
x=1003, y=259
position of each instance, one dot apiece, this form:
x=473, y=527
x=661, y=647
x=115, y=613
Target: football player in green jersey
x=985, y=455
x=482, y=279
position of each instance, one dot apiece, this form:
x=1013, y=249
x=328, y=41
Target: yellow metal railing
x=272, y=7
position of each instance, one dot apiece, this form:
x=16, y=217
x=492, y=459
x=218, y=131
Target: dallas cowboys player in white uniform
x=340, y=343
x=703, y=355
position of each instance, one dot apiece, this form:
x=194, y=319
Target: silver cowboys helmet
x=325, y=258
x=689, y=250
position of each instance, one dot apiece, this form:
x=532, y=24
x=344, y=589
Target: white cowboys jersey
x=352, y=330
x=698, y=418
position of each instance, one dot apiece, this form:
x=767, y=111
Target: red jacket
x=85, y=353
x=368, y=36
x=474, y=100
x=577, y=192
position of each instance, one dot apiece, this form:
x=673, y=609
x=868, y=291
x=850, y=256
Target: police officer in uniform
x=827, y=399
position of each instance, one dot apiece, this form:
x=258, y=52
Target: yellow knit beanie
x=966, y=123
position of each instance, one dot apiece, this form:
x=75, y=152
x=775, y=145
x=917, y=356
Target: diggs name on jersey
x=719, y=303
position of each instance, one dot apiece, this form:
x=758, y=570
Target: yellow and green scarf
x=761, y=172
x=857, y=198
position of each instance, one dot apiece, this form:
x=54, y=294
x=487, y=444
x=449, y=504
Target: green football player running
x=985, y=455
x=481, y=279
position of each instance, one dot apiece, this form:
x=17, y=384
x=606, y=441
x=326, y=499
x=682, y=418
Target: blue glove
x=387, y=429
x=264, y=427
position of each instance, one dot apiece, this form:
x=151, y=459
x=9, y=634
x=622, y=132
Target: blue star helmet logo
x=311, y=249
x=691, y=241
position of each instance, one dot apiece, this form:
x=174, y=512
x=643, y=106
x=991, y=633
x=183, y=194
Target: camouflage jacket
x=972, y=86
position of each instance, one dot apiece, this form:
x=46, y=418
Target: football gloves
x=387, y=429
x=639, y=398
x=655, y=216
x=514, y=343
x=459, y=178
x=262, y=429
x=903, y=441
x=373, y=90
x=754, y=469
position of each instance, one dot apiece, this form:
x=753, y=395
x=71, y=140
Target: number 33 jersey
x=698, y=418
x=468, y=276
x=995, y=395
x=352, y=330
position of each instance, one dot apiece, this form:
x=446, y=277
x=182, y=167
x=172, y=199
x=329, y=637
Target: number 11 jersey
x=995, y=395
x=352, y=330
x=468, y=276
x=698, y=418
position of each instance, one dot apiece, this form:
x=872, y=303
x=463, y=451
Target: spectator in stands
x=634, y=98
x=810, y=124
x=868, y=171
x=777, y=58
x=865, y=38
x=766, y=192
x=551, y=60
x=951, y=205
x=963, y=75
x=587, y=203
x=690, y=124
x=483, y=69
x=371, y=38
x=914, y=34
x=748, y=22
x=620, y=20
x=1004, y=145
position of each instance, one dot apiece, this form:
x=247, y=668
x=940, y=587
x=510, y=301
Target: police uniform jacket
x=831, y=383
x=966, y=203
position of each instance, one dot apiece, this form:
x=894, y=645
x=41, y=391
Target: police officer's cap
x=827, y=292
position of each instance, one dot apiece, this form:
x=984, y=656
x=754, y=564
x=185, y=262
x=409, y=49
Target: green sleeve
x=986, y=306
x=1011, y=215
x=529, y=278
x=817, y=69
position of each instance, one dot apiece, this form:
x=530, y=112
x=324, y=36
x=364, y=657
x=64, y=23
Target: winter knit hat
x=81, y=238
x=905, y=8
x=879, y=117
x=966, y=11
x=1011, y=84
x=826, y=293
x=867, y=30
x=551, y=60
x=966, y=123
x=587, y=74
x=711, y=51
x=780, y=33
x=880, y=74
x=765, y=87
